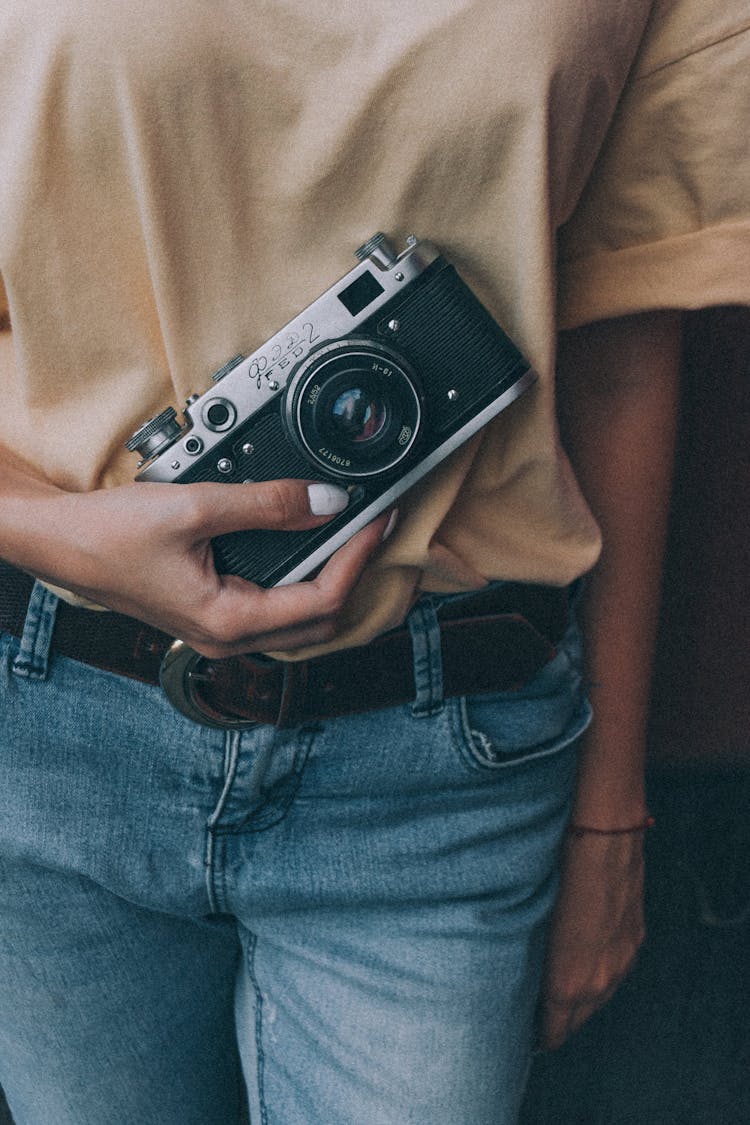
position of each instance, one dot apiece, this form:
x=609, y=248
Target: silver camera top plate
x=244, y=385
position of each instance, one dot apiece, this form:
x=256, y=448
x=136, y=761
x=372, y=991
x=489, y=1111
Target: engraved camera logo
x=282, y=354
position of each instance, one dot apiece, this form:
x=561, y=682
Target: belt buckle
x=178, y=669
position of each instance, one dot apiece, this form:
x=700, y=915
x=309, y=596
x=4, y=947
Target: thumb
x=291, y=505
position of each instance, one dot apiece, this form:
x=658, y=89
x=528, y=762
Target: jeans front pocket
x=539, y=719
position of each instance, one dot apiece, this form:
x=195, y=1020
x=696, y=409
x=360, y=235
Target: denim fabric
x=351, y=914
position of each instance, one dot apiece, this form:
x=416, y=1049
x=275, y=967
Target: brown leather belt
x=493, y=640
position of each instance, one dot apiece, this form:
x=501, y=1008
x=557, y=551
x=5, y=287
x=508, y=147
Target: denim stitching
x=214, y=872
x=273, y=804
x=32, y=661
x=260, y=1056
x=428, y=664
x=471, y=753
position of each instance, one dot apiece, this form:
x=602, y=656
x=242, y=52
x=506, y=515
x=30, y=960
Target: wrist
x=610, y=787
x=40, y=534
x=637, y=828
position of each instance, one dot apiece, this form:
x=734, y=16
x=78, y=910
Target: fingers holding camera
x=239, y=616
x=163, y=572
x=295, y=616
x=284, y=505
x=145, y=550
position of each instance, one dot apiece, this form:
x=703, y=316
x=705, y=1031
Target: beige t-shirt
x=178, y=179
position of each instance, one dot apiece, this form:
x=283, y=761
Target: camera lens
x=358, y=415
x=355, y=408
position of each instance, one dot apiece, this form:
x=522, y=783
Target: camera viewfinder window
x=359, y=294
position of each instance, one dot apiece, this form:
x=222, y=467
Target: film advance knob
x=158, y=431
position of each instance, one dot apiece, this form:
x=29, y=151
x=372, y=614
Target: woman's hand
x=618, y=386
x=597, y=929
x=145, y=550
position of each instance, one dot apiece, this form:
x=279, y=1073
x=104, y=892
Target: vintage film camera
x=370, y=387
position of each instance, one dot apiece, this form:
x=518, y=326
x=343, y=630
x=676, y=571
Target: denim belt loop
x=424, y=628
x=32, y=661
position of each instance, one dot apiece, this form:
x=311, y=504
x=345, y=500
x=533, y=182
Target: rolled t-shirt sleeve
x=664, y=221
x=4, y=313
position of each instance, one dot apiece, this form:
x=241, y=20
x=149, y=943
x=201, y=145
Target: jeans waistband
x=491, y=640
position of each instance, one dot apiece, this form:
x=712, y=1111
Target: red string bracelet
x=579, y=830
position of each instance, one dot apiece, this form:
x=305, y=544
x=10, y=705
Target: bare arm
x=618, y=387
x=145, y=550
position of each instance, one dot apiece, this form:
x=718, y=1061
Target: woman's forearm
x=618, y=396
x=619, y=391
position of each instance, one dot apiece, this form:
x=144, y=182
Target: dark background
x=673, y=1047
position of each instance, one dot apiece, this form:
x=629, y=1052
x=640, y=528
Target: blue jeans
x=350, y=915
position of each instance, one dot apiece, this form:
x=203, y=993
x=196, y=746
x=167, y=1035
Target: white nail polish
x=326, y=499
x=392, y=521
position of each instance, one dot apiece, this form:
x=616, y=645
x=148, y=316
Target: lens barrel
x=355, y=408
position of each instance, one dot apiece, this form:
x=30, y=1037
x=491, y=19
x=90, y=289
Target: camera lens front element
x=357, y=415
x=355, y=408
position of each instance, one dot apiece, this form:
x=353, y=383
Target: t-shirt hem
x=698, y=270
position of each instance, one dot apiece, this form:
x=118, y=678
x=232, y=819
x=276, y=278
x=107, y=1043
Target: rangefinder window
x=360, y=293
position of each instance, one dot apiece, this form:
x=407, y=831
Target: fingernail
x=326, y=499
x=392, y=521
